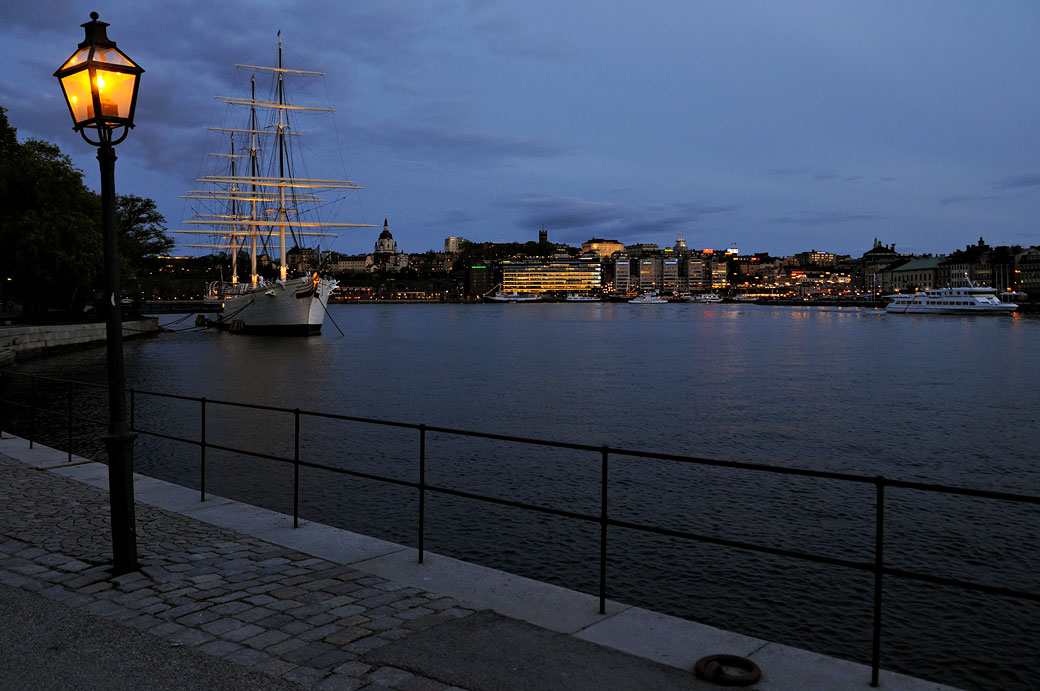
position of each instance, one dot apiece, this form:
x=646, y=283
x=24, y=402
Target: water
x=951, y=400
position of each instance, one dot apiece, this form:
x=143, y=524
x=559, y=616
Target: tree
x=142, y=232
x=50, y=225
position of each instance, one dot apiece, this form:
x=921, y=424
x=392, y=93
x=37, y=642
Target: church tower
x=386, y=243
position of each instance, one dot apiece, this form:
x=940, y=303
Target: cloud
x=574, y=220
x=447, y=147
x=1015, y=182
x=804, y=171
x=963, y=198
x=817, y=218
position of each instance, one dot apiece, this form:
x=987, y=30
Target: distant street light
x=100, y=85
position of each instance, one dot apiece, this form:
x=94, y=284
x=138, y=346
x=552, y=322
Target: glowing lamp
x=100, y=84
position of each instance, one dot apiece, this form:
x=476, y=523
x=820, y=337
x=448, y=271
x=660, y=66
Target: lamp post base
x=121, y=498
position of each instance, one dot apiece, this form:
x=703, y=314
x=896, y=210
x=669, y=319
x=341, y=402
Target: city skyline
x=778, y=128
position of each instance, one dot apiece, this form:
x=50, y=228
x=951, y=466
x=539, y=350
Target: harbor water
x=939, y=399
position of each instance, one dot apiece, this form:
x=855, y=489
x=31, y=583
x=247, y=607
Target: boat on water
x=581, y=297
x=967, y=299
x=706, y=298
x=650, y=297
x=513, y=296
x=256, y=203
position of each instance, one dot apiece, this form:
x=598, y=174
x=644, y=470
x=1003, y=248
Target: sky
x=774, y=126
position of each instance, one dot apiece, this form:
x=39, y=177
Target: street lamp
x=100, y=86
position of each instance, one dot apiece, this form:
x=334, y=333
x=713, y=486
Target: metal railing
x=876, y=566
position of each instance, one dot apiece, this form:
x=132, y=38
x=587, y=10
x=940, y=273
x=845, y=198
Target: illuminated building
x=556, y=276
x=603, y=248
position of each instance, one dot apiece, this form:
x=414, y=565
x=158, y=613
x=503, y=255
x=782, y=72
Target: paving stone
x=221, y=625
x=188, y=636
x=220, y=648
x=347, y=635
x=248, y=656
x=384, y=624
x=266, y=638
x=230, y=607
x=390, y=676
x=297, y=627
x=307, y=652
x=244, y=632
x=416, y=613
x=332, y=658
x=304, y=675
x=339, y=682
x=316, y=634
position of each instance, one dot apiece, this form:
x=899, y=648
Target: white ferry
x=970, y=299
x=650, y=297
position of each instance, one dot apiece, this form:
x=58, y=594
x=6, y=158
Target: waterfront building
x=915, y=274
x=660, y=273
x=302, y=259
x=816, y=258
x=553, y=276
x=478, y=280
x=1027, y=270
x=691, y=273
x=353, y=264
x=604, y=248
x=642, y=249
x=619, y=279
x=972, y=262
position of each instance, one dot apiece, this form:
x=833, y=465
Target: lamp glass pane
x=112, y=56
x=79, y=57
x=116, y=90
x=77, y=91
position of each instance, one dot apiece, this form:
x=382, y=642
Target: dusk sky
x=777, y=126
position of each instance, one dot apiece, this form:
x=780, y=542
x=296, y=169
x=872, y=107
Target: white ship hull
x=971, y=299
x=292, y=307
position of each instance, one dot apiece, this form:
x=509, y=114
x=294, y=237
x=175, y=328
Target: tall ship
x=258, y=201
x=967, y=299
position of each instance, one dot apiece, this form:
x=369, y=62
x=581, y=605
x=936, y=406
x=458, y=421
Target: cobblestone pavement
x=274, y=610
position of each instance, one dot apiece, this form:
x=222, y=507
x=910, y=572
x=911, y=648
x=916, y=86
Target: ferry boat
x=499, y=296
x=650, y=297
x=969, y=299
x=581, y=297
x=706, y=298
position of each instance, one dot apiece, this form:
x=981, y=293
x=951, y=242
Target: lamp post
x=100, y=86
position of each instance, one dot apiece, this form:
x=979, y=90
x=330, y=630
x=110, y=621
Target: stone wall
x=18, y=340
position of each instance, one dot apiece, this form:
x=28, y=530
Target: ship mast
x=254, y=171
x=283, y=269
x=234, y=214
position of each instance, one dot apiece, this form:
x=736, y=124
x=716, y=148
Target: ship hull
x=295, y=307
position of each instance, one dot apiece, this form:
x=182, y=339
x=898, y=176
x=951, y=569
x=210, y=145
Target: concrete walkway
x=231, y=596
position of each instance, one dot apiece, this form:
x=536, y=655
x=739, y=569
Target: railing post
x=603, y=534
x=296, y=469
x=133, y=410
x=422, y=488
x=879, y=568
x=68, y=416
x=32, y=409
x=202, y=451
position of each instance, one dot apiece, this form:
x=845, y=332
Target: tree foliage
x=51, y=252
x=50, y=226
x=142, y=232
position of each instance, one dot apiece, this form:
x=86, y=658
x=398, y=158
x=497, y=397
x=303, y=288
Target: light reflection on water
x=952, y=400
